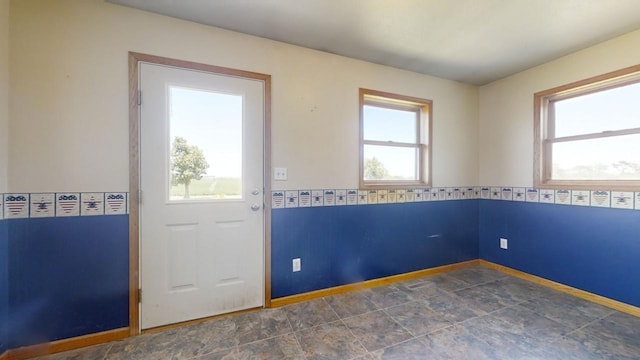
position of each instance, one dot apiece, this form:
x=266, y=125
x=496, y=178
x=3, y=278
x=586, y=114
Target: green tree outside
x=187, y=163
x=374, y=169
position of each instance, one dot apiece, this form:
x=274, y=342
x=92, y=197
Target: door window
x=205, y=137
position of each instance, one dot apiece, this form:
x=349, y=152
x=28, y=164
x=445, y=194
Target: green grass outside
x=210, y=187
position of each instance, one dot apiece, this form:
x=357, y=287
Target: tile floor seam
x=436, y=330
x=266, y=338
x=532, y=336
x=364, y=313
x=295, y=336
x=466, y=321
x=354, y=336
x=396, y=305
x=482, y=283
x=107, y=352
x=476, y=337
x=519, y=303
x=467, y=287
x=207, y=353
x=331, y=307
x=318, y=325
x=381, y=305
x=587, y=325
x=398, y=343
x=558, y=321
x=288, y=321
x=300, y=346
x=606, y=316
x=502, y=308
x=544, y=316
x=286, y=314
x=465, y=305
x=392, y=318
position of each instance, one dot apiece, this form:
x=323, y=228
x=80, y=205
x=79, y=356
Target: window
x=395, y=135
x=587, y=134
x=205, y=137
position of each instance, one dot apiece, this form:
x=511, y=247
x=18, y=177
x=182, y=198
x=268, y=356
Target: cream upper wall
x=4, y=94
x=69, y=117
x=506, y=107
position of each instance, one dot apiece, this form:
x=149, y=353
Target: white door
x=201, y=177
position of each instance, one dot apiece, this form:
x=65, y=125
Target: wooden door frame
x=134, y=171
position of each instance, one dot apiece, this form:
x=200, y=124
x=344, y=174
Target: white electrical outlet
x=504, y=243
x=296, y=264
x=279, y=173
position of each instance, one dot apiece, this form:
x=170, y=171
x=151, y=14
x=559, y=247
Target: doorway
x=202, y=209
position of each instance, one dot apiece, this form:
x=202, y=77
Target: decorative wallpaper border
x=281, y=199
x=596, y=198
x=66, y=204
x=63, y=204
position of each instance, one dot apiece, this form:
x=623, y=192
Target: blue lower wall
x=345, y=244
x=589, y=248
x=69, y=277
x=4, y=286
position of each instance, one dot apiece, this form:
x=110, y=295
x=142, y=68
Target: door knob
x=255, y=207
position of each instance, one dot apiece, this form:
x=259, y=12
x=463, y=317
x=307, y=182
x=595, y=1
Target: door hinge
x=139, y=197
x=139, y=97
x=139, y=296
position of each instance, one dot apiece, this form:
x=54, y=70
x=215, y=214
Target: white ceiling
x=472, y=41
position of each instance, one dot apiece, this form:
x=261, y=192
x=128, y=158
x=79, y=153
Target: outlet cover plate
x=504, y=243
x=279, y=173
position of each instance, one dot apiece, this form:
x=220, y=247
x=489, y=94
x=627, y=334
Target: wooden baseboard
x=57, y=346
x=610, y=303
x=368, y=284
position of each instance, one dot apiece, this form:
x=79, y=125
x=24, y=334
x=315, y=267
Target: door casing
x=134, y=171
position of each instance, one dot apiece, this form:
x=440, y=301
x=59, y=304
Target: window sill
x=395, y=185
x=611, y=185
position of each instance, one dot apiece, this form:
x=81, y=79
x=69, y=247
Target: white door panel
x=202, y=255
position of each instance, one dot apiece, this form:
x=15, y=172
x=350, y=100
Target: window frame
x=424, y=121
x=544, y=136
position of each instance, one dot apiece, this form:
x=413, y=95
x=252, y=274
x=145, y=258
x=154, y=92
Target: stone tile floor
x=473, y=313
